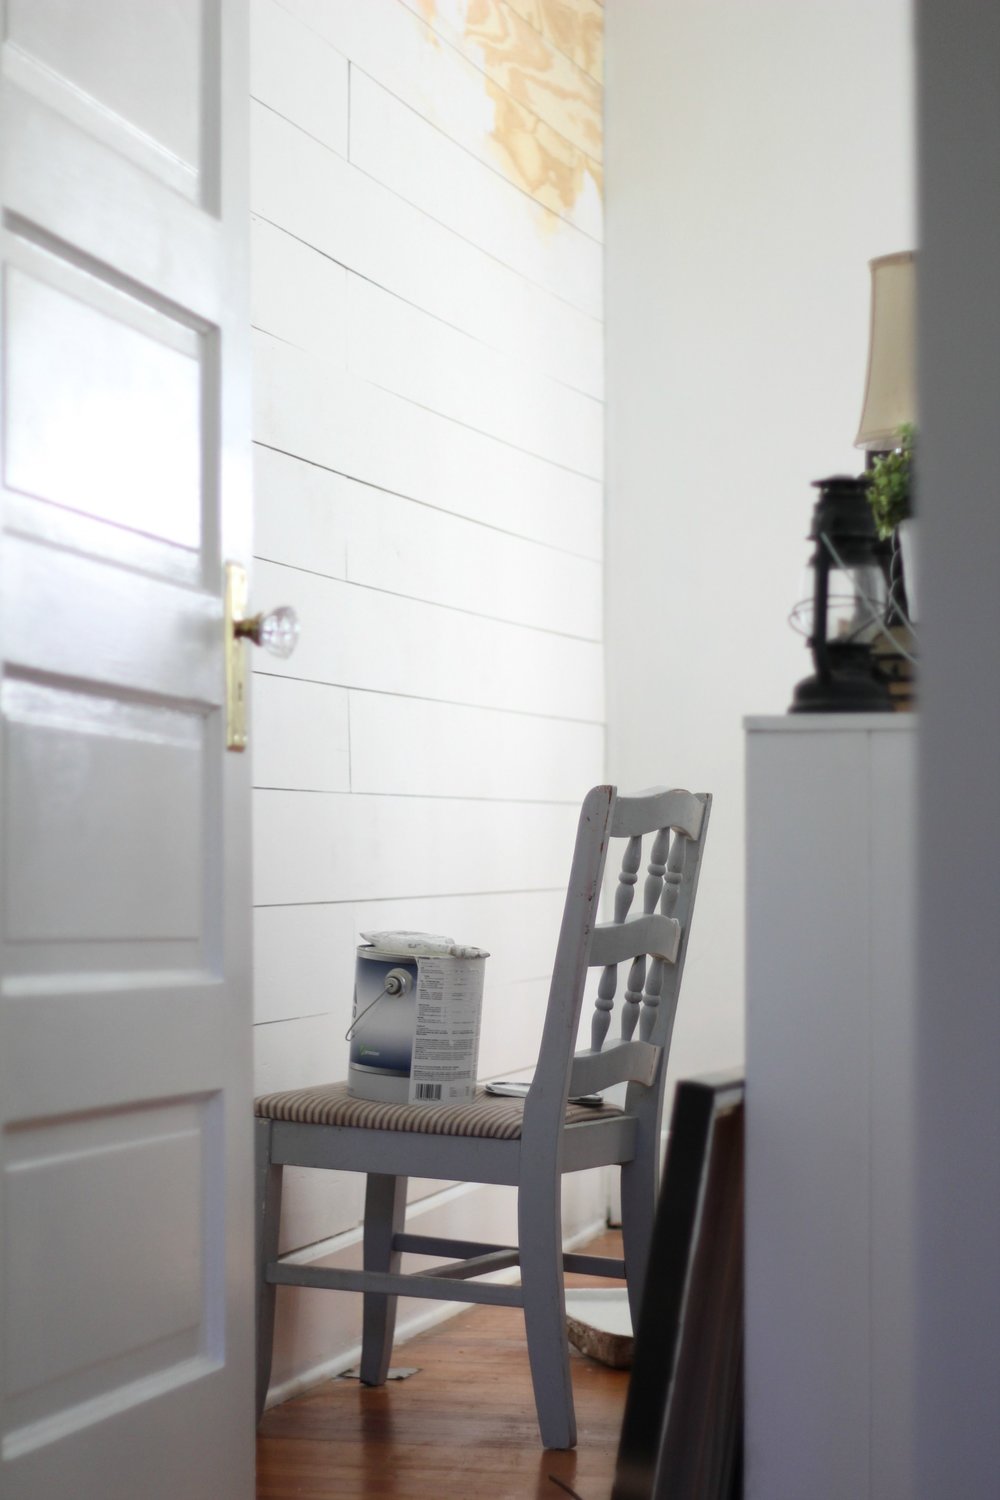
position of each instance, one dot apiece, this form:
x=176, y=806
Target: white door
x=125, y=1197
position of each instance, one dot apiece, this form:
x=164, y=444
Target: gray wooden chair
x=525, y=1143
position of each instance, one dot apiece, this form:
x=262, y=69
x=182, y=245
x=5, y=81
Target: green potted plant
x=890, y=495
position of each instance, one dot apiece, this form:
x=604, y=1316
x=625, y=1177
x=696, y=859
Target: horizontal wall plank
x=421, y=553
x=511, y=1027
x=419, y=1190
x=301, y=513
x=312, y=193
x=297, y=294
x=403, y=152
x=307, y=407
x=469, y=752
x=574, y=27
x=403, y=349
x=360, y=637
x=304, y=963
x=293, y=71
x=304, y=955
x=295, y=1053
x=325, y=846
x=317, y=1205
x=521, y=60
x=450, y=90
x=299, y=733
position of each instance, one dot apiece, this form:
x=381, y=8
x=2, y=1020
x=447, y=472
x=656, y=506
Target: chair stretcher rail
x=279, y=1274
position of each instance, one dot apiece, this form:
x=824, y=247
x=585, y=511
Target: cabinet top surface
x=830, y=723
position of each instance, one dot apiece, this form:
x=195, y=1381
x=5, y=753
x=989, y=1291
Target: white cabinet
x=830, y=1147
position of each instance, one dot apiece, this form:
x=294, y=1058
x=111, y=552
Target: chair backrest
x=652, y=943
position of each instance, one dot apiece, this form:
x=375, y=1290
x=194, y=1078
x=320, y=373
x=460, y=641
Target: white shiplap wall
x=427, y=310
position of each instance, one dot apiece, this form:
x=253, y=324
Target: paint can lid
x=420, y=945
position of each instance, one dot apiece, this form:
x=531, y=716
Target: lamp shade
x=890, y=387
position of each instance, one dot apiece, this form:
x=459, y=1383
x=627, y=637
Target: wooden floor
x=462, y=1429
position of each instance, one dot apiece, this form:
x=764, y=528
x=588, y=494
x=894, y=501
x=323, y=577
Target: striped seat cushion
x=486, y=1116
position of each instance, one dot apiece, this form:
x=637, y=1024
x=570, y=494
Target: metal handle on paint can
x=397, y=982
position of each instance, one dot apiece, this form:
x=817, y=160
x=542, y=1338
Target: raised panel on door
x=133, y=76
x=105, y=1182
x=115, y=881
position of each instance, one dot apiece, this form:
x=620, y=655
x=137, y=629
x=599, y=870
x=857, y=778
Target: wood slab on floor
x=462, y=1429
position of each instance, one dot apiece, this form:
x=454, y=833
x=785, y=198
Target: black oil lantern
x=849, y=600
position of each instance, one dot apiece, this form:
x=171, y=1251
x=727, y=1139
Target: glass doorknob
x=277, y=631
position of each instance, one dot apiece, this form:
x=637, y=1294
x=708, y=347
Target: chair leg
x=385, y=1214
x=268, y=1205
x=640, y=1186
x=540, y=1242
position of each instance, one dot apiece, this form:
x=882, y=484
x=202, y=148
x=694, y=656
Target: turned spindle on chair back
x=652, y=942
x=644, y=984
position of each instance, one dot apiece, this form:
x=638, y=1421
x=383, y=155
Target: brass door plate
x=236, y=658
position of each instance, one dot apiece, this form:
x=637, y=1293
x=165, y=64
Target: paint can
x=414, y=1029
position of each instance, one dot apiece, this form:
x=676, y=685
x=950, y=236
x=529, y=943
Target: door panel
x=131, y=75
x=125, y=1005
x=149, y=1328
x=89, y=854
x=65, y=1179
x=142, y=636
x=103, y=400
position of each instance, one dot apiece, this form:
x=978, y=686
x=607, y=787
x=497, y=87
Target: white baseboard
x=414, y=1317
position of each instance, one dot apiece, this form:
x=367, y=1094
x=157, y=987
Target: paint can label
x=415, y=1028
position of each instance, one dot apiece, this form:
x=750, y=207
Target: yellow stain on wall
x=575, y=27
x=547, y=132
x=535, y=73
x=542, y=62
x=427, y=9
x=534, y=156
